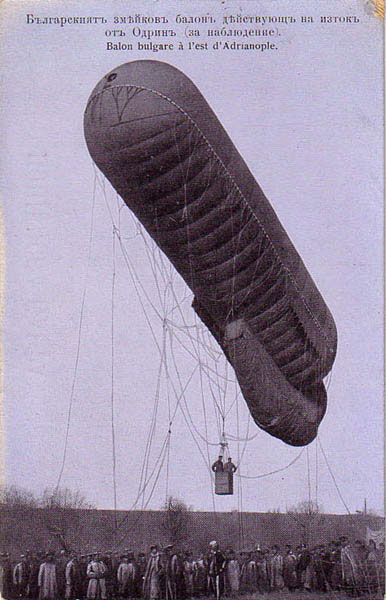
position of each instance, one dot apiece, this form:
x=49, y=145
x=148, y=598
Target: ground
x=303, y=595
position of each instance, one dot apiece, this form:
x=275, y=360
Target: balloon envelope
x=153, y=135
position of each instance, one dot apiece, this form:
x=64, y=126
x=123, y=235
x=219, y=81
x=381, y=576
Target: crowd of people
x=172, y=574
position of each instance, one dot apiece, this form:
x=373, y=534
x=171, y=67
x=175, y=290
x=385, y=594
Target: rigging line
x=131, y=272
x=147, y=501
x=209, y=354
x=219, y=408
x=230, y=408
x=206, y=424
x=167, y=382
x=195, y=428
x=117, y=233
x=80, y=326
x=101, y=181
x=128, y=262
x=204, y=366
x=181, y=328
x=210, y=372
x=142, y=491
x=112, y=381
x=194, y=439
x=245, y=443
x=329, y=380
x=146, y=460
x=316, y=471
x=178, y=398
x=182, y=395
x=152, y=426
x=155, y=412
x=167, y=466
x=139, y=282
x=238, y=461
x=153, y=265
x=226, y=386
x=214, y=354
x=185, y=418
x=193, y=341
x=333, y=477
x=222, y=409
x=308, y=476
x=235, y=438
x=216, y=408
x=217, y=412
x=155, y=256
x=275, y=471
x=168, y=284
x=209, y=379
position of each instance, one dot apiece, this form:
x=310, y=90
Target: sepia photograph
x=192, y=288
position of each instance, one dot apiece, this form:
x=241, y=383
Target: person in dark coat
x=127, y=576
x=61, y=561
x=21, y=577
x=141, y=568
x=152, y=581
x=8, y=590
x=289, y=568
x=74, y=579
x=229, y=467
x=216, y=568
x=303, y=561
x=218, y=465
x=173, y=571
x=34, y=566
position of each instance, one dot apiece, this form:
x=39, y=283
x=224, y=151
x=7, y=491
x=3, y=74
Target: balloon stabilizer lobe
x=155, y=138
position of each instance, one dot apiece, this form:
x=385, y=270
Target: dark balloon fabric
x=155, y=138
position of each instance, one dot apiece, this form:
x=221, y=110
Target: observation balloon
x=155, y=138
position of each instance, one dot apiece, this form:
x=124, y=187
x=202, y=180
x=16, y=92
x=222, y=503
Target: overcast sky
x=307, y=119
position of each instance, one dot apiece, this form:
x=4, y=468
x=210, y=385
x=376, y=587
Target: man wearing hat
x=189, y=573
x=20, y=577
x=152, y=577
x=289, y=568
x=7, y=578
x=171, y=572
x=200, y=576
x=127, y=576
x=48, y=589
x=216, y=567
x=33, y=574
x=141, y=568
x=73, y=576
x=61, y=562
x=218, y=465
x=96, y=572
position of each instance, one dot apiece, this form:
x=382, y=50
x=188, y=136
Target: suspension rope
x=80, y=327
x=217, y=381
x=308, y=477
x=293, y=461
x=333, y=477
x=114, y=458
x=316, y=472
x=206, y=425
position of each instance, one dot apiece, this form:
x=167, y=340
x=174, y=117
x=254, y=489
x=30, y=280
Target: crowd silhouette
x=170, y=573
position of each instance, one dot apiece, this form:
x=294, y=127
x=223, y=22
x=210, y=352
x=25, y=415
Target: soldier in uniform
x=218, y=465
x=216, y=567
x=153, y=574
